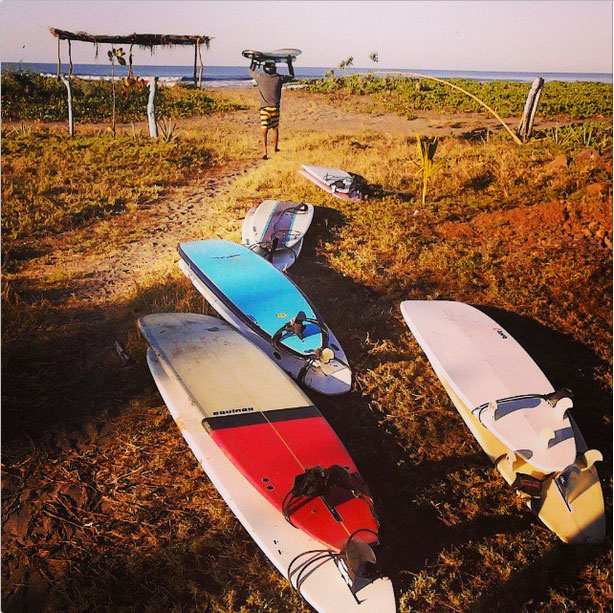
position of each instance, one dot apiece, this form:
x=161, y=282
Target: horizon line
x=367, y=68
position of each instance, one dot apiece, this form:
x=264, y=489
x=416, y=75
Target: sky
x=504, y=35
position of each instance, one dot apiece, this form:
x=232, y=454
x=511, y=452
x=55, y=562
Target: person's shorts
x=269, y=117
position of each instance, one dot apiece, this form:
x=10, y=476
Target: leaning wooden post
x=200, y=70
x=530, y=109
x=71, y=120
x=151, y=107
x=195, y=58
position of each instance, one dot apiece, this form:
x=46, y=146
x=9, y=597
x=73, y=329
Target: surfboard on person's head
x=515, y=414
x=277, y=55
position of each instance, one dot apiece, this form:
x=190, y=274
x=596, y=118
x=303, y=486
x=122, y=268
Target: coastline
x=237, y=76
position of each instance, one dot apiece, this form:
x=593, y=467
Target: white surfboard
x=321, y=584
x=278, y=55
x=484, y=370
x=275, y=230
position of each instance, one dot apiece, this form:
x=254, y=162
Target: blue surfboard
x=261, y=293
x=266, y=305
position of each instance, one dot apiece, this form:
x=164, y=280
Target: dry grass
x=104, y=507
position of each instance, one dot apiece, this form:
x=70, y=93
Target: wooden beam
x=145, y=40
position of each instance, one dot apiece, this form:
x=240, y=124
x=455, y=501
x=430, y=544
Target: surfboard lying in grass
x=515, y=414
x=267, y=307
x=275, y=230
x=261, y=442
x=341, y=184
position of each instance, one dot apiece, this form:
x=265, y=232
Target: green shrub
x=29, y=96
x=578, y=100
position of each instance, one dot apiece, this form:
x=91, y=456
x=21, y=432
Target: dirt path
x=141, y=237
x=310, y=112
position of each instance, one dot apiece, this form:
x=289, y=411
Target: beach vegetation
x=576, y=100
x=51, y=183
x=427, y=167
x=29, y=96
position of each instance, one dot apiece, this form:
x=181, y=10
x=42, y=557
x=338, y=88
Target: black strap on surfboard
x=297, y=326
x=338, y=184
x=355, y=562
x=320, y=482
x=552, y=398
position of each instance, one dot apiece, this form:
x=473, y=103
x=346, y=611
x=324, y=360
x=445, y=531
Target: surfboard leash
x=351, y=561
x=320, y=482
x=278, y=235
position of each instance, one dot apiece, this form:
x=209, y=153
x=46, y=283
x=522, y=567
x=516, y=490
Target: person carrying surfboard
x=269, y=90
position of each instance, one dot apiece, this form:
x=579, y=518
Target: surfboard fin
x=514, y=460
x=355, y=562
x=587, y=459
x=563, y=396
x=561, y=402
x=545, y=436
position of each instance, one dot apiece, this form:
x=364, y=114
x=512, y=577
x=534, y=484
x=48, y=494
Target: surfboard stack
x=515, y=414
x=273, y=457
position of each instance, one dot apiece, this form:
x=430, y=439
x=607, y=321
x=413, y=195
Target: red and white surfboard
x=263, y=422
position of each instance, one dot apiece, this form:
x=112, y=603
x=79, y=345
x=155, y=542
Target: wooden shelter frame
x=144, y=41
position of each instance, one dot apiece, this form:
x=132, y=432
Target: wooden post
x=195, y=58
x=151, y=107
x=530, y=109
x=113, y=88
x=130, y=73
x=200, y=71
x=59, y=61
x=71, y=120
x=69, y=60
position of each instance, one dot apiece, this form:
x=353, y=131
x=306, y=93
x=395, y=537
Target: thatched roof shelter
x=145, y=41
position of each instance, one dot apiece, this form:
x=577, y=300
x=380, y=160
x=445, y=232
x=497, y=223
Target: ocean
x=237, y=76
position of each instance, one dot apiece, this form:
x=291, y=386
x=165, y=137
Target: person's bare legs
x=275, y=139
x=264, y=139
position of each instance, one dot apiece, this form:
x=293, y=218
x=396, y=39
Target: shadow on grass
x=412, y=532
x=60, y=377
x=527, y=588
